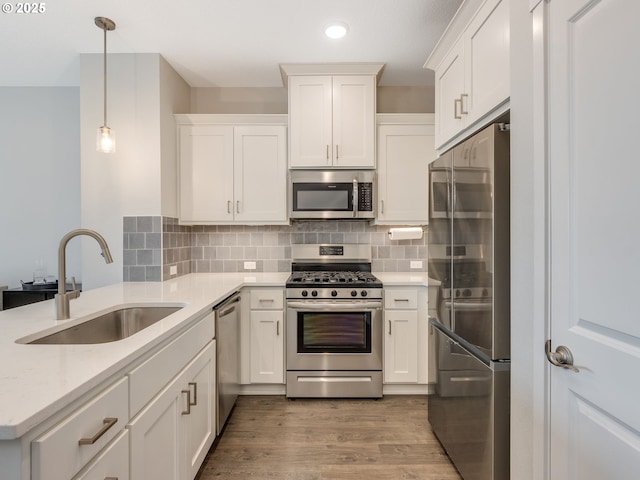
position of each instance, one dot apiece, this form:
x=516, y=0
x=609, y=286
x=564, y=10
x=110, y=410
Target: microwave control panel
x=365, y=197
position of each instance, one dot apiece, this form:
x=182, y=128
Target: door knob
x=562, y=357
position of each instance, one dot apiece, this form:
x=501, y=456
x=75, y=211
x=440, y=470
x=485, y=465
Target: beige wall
x=274, y=100
x=175, y=97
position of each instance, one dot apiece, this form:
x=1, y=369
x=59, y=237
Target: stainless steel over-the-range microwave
x=332, y=194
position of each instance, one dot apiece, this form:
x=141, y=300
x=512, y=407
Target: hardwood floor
x=270, y=437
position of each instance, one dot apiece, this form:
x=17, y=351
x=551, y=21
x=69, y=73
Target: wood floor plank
x=271, y=437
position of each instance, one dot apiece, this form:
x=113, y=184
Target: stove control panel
x=334, y=293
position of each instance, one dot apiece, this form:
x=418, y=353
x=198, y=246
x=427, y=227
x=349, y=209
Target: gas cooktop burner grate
x=332, y=278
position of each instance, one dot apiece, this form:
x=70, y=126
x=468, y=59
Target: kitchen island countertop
x=36, y=381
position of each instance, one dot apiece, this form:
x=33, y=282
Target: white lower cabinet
x=171, y=436
x=113, y=462
x=405, y=335
x=266, y=324
x=70, y=445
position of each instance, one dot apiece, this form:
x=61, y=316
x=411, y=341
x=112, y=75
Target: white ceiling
x=224, y=43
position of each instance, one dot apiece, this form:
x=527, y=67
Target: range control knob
x=354, y=293
x=485, y=292
x=334, y=293
x=304, y=293
x=314, y=293
x=457, y=293
x=466, y=292
x=363, y=293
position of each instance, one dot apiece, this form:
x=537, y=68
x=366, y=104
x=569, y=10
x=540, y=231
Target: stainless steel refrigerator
x=470, y=318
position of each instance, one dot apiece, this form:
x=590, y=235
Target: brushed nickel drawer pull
x=270, y=300
x=195, y=393
x=188, y=410
x=107, y=424
x=110, y=478
x=401, y=299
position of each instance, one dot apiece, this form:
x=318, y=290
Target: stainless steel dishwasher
x=227, y=356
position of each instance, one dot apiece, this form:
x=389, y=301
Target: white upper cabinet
x=332, y=115
x=471, y=66
x=234, y=172
x=405, y=149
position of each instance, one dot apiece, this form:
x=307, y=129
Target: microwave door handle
x=355, y=198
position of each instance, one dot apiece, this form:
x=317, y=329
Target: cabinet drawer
x=148, y=379
x=113, y=462
x=58, y=455
x=400, y=298
x=267, y=299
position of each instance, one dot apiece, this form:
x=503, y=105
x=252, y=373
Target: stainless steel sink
x=109, y=327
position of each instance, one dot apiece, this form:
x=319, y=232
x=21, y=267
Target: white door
x=310, y=121
x=260, y=173
x=354, y=121
x=267, y=346
x=594, y=168
x=449, y=90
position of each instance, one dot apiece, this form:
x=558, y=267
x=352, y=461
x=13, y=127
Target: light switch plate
x=173, y=270
x=249, y=265
x=416, y=263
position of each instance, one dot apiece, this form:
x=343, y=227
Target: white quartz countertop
x=390, y=279
x=36, y=381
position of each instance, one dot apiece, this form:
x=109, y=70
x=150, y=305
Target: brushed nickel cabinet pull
x=278, y=327
x=237, y=206
x=389, y=327
x=228, y=206
x=381, y=206
x=195, y=393
x=327, y=153
x=401, y=300
x=107, y=424
x=188, y=410
x=337, y=153
x=110, y=478
x=462, y=102
x=457, y=102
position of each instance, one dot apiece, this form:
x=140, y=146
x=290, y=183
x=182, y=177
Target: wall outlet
x=173, y=270
x=416, y=264
x=249, y=265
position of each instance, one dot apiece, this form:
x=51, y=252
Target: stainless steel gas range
x=334, y=323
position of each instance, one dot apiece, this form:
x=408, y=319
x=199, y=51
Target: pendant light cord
x=105, y=75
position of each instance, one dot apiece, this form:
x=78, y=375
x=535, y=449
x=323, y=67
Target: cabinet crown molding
x=454, y=30
x=289, y=69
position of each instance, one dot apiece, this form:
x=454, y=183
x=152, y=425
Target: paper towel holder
x=406, y=233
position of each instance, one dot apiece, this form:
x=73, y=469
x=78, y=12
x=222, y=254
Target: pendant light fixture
x=106, y=139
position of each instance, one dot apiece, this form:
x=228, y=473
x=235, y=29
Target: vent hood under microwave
x=332, y=194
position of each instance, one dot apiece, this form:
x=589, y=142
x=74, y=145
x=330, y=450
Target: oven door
x=334, y=335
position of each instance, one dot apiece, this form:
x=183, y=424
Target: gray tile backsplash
x=152, y=245
x=142, y=249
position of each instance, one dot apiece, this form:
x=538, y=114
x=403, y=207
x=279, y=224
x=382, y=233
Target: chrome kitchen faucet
x=62, y=297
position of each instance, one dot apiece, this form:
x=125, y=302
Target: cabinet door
x=310, y=121
x=206, y=173
x=449, y=89
x=354, y=112
x=267, y=346
x=404, y=152
x=401, y=346
x=156, y=437
x=487, y=59
x=260, y=173
x=199, y=423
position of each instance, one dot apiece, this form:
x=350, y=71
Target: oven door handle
x=335, y=305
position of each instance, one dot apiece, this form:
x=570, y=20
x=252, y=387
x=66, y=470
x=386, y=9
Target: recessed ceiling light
x=336, y=30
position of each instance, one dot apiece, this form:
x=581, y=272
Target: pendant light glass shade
x=106, y=138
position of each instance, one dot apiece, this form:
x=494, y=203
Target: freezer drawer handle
x=107, y=423
x=562, y=357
